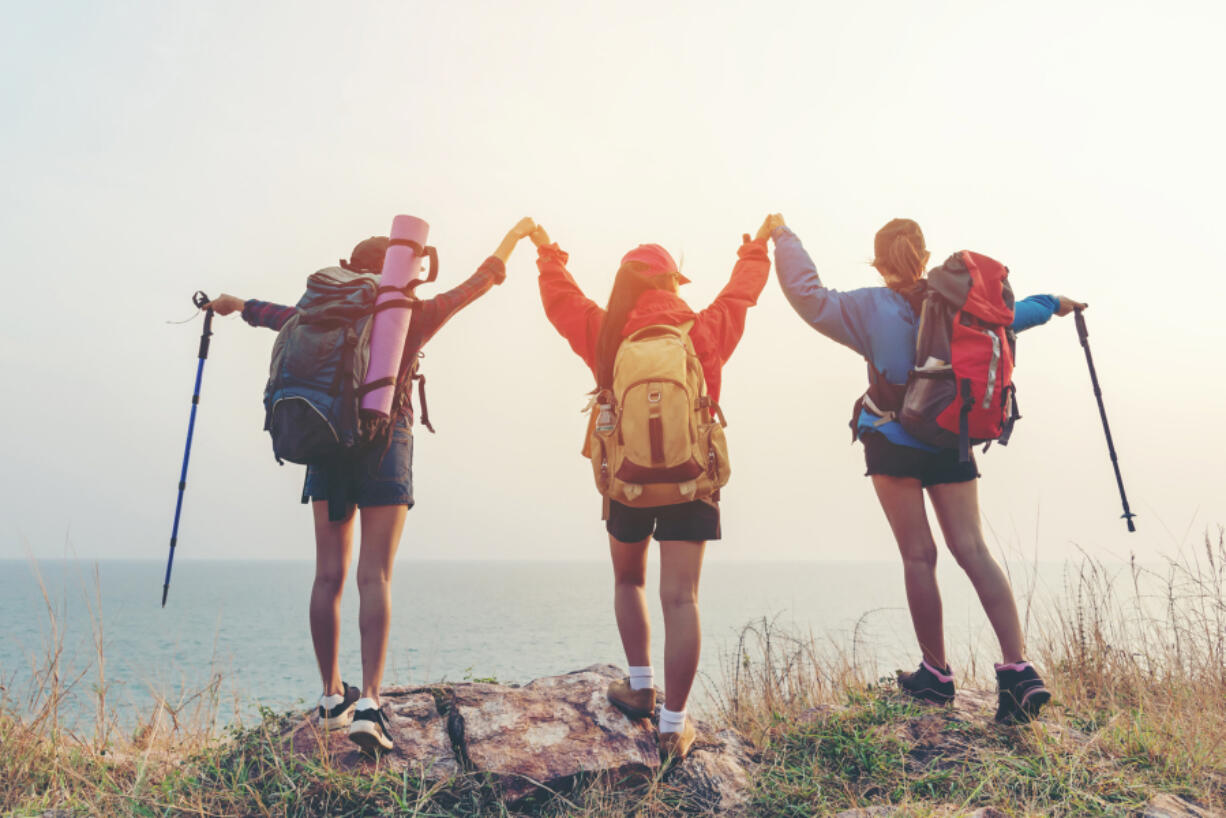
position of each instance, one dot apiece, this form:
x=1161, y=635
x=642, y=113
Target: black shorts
x=695, y=521
x=930, y=468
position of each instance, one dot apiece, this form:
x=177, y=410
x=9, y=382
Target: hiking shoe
x=340, y=715
x=1022, y=693
x=370, y=729
x=637, y=704
x=677, y=745
x=928, y=684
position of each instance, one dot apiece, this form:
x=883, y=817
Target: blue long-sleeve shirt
x=876, y=322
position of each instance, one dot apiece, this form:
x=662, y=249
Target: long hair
x=629, y=284
x=900, y=255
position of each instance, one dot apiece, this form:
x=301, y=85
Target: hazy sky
x=150, y=149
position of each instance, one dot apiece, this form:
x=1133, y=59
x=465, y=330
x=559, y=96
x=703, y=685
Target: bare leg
x=333, y=544
x=957, y=509
x=629, y=599
x=680, y=568
x=902, y=499
x=381, y=527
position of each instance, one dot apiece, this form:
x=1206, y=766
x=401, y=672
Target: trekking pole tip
x=166, y=589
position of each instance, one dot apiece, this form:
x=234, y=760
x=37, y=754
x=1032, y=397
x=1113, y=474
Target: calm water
x=451, y=620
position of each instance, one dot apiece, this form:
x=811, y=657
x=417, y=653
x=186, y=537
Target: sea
x=238, y=630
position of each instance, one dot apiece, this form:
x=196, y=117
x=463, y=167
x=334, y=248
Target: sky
x=152, y=149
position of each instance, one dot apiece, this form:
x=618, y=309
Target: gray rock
x=549, y=732
x=1172, y=806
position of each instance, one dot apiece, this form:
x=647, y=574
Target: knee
x=921, y=554
x=676, y=596
x=329, y=581
x=629, y=579
x=373, y=581
x=970, y=553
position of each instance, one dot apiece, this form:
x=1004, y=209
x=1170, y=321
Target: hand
x=772, y=221
x=539, y=237
x=225, y=304
x=1067, y=305
x=523, y=227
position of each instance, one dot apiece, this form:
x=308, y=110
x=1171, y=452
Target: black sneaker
x=370, y=729
x=333, y=718
x=928, y=684
x=1022, y=693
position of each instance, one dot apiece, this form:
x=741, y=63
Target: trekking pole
x=199, y=299
x=1084, y=335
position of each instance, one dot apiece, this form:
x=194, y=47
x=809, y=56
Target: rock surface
x=537, y=739
x=550, y=731
x=1172, y=806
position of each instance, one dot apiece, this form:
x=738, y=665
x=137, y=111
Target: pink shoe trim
x=1013, y=666
x=941, y=675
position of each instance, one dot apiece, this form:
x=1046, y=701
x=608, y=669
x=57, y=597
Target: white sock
x=641, y=677
x=365, y=703
x=328, y=702
x=671, y=722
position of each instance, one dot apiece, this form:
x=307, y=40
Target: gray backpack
x=318, y=365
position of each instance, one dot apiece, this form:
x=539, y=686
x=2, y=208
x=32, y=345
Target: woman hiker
x=645, y=293
x=879, y=323
x=380, y=484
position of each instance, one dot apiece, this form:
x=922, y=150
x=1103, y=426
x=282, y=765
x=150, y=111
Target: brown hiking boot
x=677, y=745
x=637, y=704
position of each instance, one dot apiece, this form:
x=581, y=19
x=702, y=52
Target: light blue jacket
x=876, y=322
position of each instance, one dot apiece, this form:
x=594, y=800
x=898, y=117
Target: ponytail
x=629, y=284
x=900, y=255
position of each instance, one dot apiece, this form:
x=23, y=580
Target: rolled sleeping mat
x=393, y=312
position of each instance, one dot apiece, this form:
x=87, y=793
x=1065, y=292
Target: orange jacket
x=716, y=331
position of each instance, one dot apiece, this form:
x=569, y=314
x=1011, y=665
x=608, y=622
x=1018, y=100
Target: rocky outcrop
x=538, y=739
x=1172, y=806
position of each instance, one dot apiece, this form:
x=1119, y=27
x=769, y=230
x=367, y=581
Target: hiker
x=645, y=303
x=380, y=483
x=880, y=323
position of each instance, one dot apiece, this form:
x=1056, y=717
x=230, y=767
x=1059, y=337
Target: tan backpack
x=651, y=440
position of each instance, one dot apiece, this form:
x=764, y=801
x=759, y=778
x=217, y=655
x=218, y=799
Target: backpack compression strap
x=964, y=423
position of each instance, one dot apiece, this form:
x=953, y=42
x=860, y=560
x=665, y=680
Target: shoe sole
x=370, y=739
x=336, y=722
x=1029, y=709
x=927, y=696
x=632, y=712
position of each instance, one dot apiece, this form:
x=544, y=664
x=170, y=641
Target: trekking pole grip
x=1080, y=321
x=200, y=299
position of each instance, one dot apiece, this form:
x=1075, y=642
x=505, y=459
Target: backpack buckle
x=655, y=397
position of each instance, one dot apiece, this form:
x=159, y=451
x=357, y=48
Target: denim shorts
x=375, y=477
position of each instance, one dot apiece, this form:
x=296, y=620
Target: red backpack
x=961, y=390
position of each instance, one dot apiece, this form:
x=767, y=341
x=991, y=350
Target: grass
x=1137, y=659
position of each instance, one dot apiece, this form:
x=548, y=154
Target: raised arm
x=434, y=312
x=725, y=317
x=256, y=313
x=575, y=316
x=1038, y=309
x=836, y=315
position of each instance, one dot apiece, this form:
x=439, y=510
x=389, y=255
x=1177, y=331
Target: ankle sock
x=945, y=675
x=641, y=677
x=328, y=702
x=671, y=721
x=1022, y=665
x=365, y=703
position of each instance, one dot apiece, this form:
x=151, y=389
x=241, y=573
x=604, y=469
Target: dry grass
x=1137, y=660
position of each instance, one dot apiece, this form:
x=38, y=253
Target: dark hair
x=629, y=284
x=900, y=254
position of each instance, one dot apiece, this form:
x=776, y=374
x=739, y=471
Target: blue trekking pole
x=199, y=299
x=1084, y=335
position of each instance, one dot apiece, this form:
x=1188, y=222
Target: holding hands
x=521, y=230
x=772, y=221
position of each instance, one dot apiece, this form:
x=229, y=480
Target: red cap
x=657, y=259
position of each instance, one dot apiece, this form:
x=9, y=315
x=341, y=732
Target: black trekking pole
x=1084, y=335
x=199, y=299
